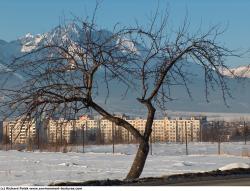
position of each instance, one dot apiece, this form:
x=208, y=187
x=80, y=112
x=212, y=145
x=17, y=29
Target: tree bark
x=139, y=161
x=143, y=150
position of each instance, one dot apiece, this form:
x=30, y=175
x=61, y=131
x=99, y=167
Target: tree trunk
x=142, y=152
x=139, y=161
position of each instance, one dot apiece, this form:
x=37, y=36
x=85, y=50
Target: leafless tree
x=61, y=76
x=245, y=131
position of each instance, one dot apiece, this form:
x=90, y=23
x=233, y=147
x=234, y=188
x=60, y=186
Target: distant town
x=96, y=130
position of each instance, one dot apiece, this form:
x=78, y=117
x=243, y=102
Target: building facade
x=103, y=130
x=90, y=130
x=19, y=131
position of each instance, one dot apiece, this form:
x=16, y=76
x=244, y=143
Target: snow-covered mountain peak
x=241, y=71
x=126, y=44
x=30, y=42
x=66, y=32
x=29, y=35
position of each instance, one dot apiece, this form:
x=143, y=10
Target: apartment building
x=60, y=131
x=19, y=131
x=167, y=130
x=179, y=129
x=103, y=131
x=71, y=131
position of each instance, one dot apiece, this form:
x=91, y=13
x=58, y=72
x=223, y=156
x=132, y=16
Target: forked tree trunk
x=139, y=161
x=142, y=152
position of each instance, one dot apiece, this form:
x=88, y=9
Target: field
x=98, y=162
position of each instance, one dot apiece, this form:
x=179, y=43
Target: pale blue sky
x=18, y=17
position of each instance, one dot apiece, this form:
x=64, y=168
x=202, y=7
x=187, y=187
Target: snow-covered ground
x=42, y=168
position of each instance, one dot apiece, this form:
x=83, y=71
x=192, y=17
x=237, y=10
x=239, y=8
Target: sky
x=18, y=18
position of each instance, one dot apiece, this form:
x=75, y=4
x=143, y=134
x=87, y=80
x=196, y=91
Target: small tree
x=63, y=74
x=245, y=132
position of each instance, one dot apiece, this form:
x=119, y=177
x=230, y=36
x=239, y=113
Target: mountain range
x=240, y=88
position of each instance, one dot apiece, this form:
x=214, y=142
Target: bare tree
x=245, y=132
x=61, y=75
x=218, y=135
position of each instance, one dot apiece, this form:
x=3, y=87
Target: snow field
x=42, y=168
